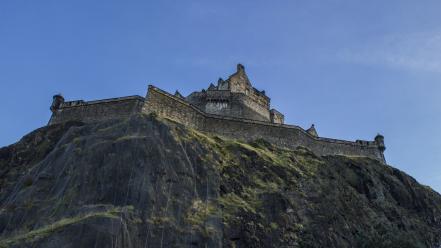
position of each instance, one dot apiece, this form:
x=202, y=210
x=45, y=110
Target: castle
x=232, y=108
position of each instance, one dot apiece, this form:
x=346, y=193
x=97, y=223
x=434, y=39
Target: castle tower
x=57, y=100
x=312, y=131
x=379, y=139
x=276, y=117
x=239, y=82
x=178, y=94
x=236, y=97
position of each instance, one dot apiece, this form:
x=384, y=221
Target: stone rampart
x=97, y=110
x=172, y=107
x=167, y=105
x=178, y=109
x=255, y=108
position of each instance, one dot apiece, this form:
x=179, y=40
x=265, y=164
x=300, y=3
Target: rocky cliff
x=149, y=182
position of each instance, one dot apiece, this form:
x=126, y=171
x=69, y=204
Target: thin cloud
x=416, y=51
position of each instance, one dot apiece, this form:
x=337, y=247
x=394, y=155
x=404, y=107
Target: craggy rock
x=149, y=182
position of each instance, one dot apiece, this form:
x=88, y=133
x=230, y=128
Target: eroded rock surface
x=148, y=182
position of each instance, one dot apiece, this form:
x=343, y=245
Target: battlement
x=220, y=110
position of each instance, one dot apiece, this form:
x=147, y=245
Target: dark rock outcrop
x=145, y=182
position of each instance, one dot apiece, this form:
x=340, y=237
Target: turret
x=240, y=68
x=276, y=117
x=57, y=100
x=312, y=131
x=239, y=81
x=212, y=87
x=178, y=94
x=379, y=139
x=222, y=85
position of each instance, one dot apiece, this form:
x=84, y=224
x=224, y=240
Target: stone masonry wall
x=97, y=110
x=226, y=103
x=255, y=108
x=288, y=136
x=277, y=117
x=173, y=108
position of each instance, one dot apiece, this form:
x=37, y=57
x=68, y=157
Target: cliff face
x=146, y=182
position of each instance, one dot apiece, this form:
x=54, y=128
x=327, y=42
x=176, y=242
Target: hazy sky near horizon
x=353, y=68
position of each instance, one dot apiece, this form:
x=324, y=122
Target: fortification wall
x=97, y=110
x=277, y=117
x=226, y=103
x=259, y=97
x=254, y=108
x=220, y=102
x=173, y=108
x=288, y=136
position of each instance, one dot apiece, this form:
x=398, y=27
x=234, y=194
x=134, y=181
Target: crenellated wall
x=167, y=105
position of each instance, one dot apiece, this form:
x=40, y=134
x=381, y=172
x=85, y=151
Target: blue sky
x=354, y=68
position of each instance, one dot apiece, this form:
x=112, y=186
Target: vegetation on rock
x=149, y=182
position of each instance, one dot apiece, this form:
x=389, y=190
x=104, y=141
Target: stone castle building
x=236, y=97
x=232, y=108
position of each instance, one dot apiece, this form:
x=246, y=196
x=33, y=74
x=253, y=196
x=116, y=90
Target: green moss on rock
x=160, y=184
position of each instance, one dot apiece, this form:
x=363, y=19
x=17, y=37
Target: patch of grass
x=199, y=212
x=232, y=204
x=159, y=220
x=45, y=231
x=129, y=137
x=279, y=156
x=274, y=225
x=266, y=186
x=112, y=127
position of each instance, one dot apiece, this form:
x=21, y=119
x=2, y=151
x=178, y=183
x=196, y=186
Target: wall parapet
x=78, y=103
x=89, y=111
x=178, y=109
x=289, y=136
